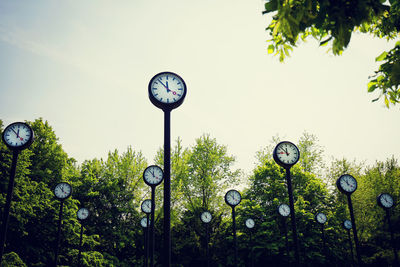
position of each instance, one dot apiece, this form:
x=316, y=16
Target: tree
x=334, y=22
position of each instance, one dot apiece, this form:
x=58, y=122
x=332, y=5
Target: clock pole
x=58, y=233
x=293, y=217
x=353, y=222
x=6, y=211
x=152, y=240
x=351, y=246
x=167, y=188
x=80, y=245
x=234, y=235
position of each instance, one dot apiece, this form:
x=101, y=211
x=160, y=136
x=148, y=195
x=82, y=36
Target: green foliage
x=334, y=22
x=12, y=260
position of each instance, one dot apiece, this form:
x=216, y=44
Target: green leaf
x=271, y=49
x=381, y=56
x=372, y=86
x=324, y=43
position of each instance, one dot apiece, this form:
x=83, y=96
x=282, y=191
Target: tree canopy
x=333, y=22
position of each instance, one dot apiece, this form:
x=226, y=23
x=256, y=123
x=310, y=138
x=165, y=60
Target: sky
x=84, y=66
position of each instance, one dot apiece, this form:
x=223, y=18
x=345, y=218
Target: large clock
x=286, y=154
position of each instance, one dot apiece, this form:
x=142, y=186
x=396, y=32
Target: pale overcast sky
x=84, y=66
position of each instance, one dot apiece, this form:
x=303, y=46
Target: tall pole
x=353, y=221
x=167, y=188
x=351, y=246
x=293, y=217
x=58, y=233
x=207, y=246
x=147, y=239
x=286, y=238
x=6, y=211
x=80, y=246
x=251, y=249
x=323, y=241
x=396, y=257
x=152, y=240
x=234, y=236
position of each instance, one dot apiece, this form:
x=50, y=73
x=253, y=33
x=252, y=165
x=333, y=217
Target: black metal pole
x=351, y=247
x=396, y=257
x=353, y=221
x=147, y=240
x=286, y=238
x=6, y=210
x=167, y=188
x=207, y=246
x=251, y=249
x=80, y=246
x=323, y=242
x=152, y=240
x=58, y=233
x=293, y=217
x=234, y=236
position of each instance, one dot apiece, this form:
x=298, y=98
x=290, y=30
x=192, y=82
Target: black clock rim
x=316, y=215
x=278, y=161
x=226, y=201
x=380, y=202
x=54, y=191
x=27, y=144
x=141, y=206
x=78, y=213
x=340, y=187
x=167, y=106
x=283, y=204
x=149, y=184
x=344, y=225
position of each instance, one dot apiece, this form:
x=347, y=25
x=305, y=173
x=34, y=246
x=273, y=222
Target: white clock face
x=321, y=218
x=284, y=210
x=233, y=197
x=386, y=200
x=250, y=223
x=347, y=224
x=348, y=183
x=153, y=175
x=82, y=213
x=146, y=206
x=62, y=190
x=18, y=135
x=143, y=222
x=167, y=87
x=287, y=153
x=206, y=217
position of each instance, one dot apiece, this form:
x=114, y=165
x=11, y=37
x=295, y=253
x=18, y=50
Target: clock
x=18, y=136
x=167, y=90
x=233, y=198
x=346, y=184
x=286, y=154
x=62, y=190
x=385, y=201
x=250, y=223
x=82, y=214
x=284, y=210
x=143, y=222
x=153, y=175
x=347, y=224
x=146, y=206
x=206, y=217
x=320, y=218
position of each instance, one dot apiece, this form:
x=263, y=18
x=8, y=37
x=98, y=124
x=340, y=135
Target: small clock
x=146, y=206
x=250, y=223
x=286, y=154
x=347, y=224
x=62, y=190
x=347, y=184
x=153, y=175
x=206, y=217
x=82, y=214
x=18, y=136
x=233, y=198
x=167, y=90
x=385, y=201
x=320, y=218
x=284, y=210
x=143, y=222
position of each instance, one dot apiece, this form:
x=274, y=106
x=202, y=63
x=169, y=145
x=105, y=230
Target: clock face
x=347, y=224
x=167, y=90
x=284, y=210
x=385, y=200
x=143, y=222
x=62, y=190
x=18, y=136
x=286, y=154
x=146, y=206
x=250, y=223
x=321, y=218
x=206, y=217
x=233, y=197
x=347, y=184
x=82, y=213
x=153, y=175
